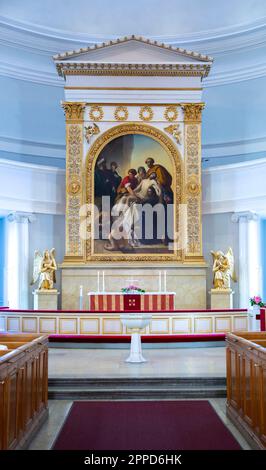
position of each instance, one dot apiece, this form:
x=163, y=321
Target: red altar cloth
x=263, y=319
x=141, y=302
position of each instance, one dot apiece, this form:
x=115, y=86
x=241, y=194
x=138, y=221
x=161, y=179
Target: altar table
x=114, y=301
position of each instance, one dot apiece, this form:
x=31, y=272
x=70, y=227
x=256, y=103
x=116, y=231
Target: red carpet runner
x=144, y=425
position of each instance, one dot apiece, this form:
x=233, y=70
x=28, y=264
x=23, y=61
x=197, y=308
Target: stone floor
x=187, y=362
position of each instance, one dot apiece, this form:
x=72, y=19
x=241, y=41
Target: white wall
x=47, y=231
x=220, y=233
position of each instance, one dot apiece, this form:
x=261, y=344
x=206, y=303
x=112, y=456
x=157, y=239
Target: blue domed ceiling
x=233, y=32
x=146, y=17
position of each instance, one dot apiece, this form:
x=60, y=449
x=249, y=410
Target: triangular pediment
x=133, y=50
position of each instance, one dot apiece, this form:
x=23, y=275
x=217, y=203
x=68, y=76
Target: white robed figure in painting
x=44, y=267
x=126, y=211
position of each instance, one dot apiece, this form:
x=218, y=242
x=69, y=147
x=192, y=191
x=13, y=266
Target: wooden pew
x=23, y=388
x=246, y=385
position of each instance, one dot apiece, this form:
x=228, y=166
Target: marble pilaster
x=249, y=256
x=18, y=258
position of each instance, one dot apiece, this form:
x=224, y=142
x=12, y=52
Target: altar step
x=136, y=388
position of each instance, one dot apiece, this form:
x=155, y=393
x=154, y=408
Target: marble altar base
x=188, y=282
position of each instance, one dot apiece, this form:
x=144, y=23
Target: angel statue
x=44, y=267
x=223, y=269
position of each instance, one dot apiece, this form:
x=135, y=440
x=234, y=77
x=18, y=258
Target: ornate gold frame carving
x=192, y=111
x=172, y=71
x=74, y=111
x=96, y=148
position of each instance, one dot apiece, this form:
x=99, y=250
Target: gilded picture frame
x=177, y=186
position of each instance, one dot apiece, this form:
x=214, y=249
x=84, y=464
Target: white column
x=249, y=270
x=18, y=259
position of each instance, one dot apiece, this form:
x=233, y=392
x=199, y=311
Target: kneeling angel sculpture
x=44, y=267
x=223, y=269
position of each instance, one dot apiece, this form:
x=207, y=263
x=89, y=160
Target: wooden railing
x=246, y=385
x=23, y=388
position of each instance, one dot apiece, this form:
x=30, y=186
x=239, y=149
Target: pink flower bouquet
x=256, y=300
x=132, y=290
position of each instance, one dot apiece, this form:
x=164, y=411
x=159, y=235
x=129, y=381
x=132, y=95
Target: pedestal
x=135, y=323
x=221, y=299
x=45, y=299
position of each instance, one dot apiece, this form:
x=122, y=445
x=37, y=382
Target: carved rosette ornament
x=193, y=187
x=192, y=133
x=171, y=113
x=96, y=113
x=121, y=113
x=74, y=151
x=146, y=113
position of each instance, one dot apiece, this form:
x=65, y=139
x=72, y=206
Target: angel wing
x=96, y=129
x=36, y=266
x=214, y=255
x=230, y=256
x=52, y=254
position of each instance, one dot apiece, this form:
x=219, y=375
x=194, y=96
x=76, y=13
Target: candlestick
x=103, y=283
x=98, y=281
x=81, y=297
x=164, y=281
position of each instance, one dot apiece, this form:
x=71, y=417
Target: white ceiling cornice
x=44, y=40
x=32, y=147
x=27, y=74
x=256, y=163
x=37, y=41
x=5, y=163
x=210, y=151
x=231, y=148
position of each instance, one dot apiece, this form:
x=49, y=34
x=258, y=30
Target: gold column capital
x=74, y=111
x=192, y=111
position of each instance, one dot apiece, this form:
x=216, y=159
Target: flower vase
x=254, y=311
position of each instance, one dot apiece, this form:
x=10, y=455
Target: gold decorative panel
x=192, y=131
x=74, y=152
